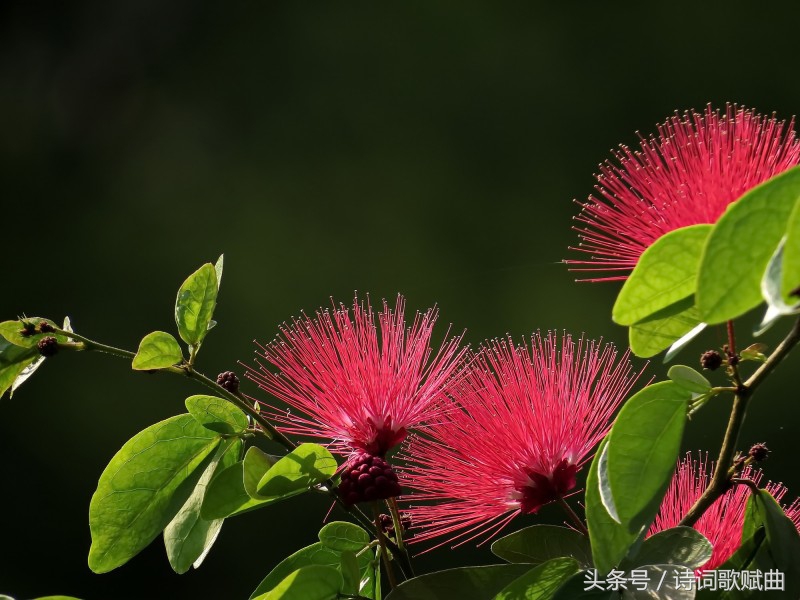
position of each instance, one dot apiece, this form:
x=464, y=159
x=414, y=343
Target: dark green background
x=428, y=148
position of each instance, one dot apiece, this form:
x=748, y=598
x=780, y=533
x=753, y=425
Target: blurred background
x=432, y=149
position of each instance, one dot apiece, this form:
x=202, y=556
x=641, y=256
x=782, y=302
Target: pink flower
x=523, y=423
x=687, y=175
x=353, y=382
x=722, y=523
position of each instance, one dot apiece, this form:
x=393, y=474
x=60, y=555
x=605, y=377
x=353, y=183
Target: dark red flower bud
x=28, y=329
x=45, y=327
x=758, y=452
x=48, y=346
x=711, y=360
x=366, y=478
x=229, y=381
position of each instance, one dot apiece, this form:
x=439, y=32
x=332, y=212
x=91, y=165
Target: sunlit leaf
x=539, y=543
x=189, y=537
x=157, y=350
x=216, y=414
x=306, y=465
x=740, y=247
x=541, y=582
x=643, y=448
x=689, y=379
x=144, y=486
x=195, y=304
x=665, y=273
x=660, y=330
x=315, y=582
x=342, y=536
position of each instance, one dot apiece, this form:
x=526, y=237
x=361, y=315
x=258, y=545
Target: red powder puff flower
x=524, y=421
x=687, y=175
x=722, y=523
x=354, y=383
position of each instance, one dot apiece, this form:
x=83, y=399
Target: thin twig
x=721, y=480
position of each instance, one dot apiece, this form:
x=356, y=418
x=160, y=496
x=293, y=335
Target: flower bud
x=229, y=381
x=711, y=360
x=48, y=346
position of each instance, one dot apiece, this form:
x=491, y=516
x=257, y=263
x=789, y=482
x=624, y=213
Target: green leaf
x=351, y=573
x=783, y=540
x=195, y=304
x=754, y=352
x=740, y=246
x=306, y=465
x=12, y=331
x=13, y=362
x=218, y=269
x=771, y=292
x=315, y=554
x=660, y=330
x=689, y=379
x=50, y=598
x=575, y=589
x=610, y=540
x=541, y=582
x=665, y=274
x=465, y=583
x=539, y=543
x=10, y=373
x=643, y=448
x=342, y=536
x=189, y=537
x=662, y=583
x=25, y=374
x=233, y=491
x=216, y=414
x=144, y=486
x=309, y=583
x=790, y=279
x=157, y=350
x=681, y=546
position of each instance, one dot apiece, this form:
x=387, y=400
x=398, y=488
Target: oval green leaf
x=351, y=573
x=643, y=448
x=306, y=465
x=539, y=543
x=13, y=362
x=610, y=540
x=575, y=588
x=12, y=331
x=681, y=546
x=541, y=582
x=665, y=274
x=195, y=304
x=216, y=414
x=189, y=537
x=790, y=279
x=689, y=379
x=309, y=583
x=157, y=350
x=740, y=246
x=660, y=330
x=344, y=536
x=315, y=554
x=233, y=491
x=465, y=583
x=144, y=486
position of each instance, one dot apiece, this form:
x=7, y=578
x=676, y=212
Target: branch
x=721, y=480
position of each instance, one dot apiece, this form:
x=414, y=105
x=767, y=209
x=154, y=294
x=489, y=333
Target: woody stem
x=721, y=480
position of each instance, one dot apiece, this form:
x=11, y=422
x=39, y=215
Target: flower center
x=385, y=437
x=542, y=489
